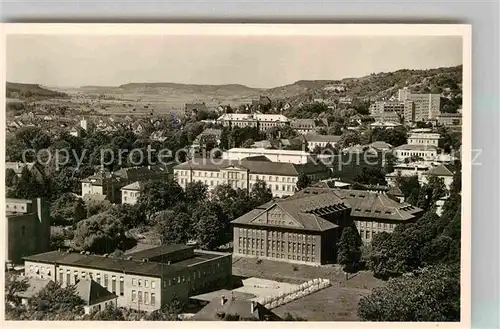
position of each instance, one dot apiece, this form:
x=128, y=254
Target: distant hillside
x=161, y=87
x=25, y=90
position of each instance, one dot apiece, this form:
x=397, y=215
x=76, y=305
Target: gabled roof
x=92, y=292
x=135, y=186
x=35, y=285
x=381, y=145
x=440, y=170
x=243, y=308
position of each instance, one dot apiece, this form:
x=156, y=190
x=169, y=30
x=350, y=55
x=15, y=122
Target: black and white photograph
x=237, y=172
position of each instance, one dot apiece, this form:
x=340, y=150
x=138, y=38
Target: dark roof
x=322, y=138
x=153, y=269
x=440, y=170
x=255, y=167
x=239, y=307
x=304, y=208
x=417, y=147
x=209, y=296
x=159, y=251
x=92, y=292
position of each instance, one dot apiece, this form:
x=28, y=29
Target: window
x=140, y=283
x=134, y=282
x=68, y=277
x=153, y=299
x=105, y=280
x=61, y=276
x=122, y=286
x=146, y=283
x=134, y=295
x=146, y=298
x=113, y=284
x=139, y=295
x=153, y=284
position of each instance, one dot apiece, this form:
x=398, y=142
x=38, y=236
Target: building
x=423, y=151
x=321, y=141
x=424, y=139
x=305, y=126
x=255, y=120
x=425, y=106
x=305, y=227
x=282, y=156
x=406, y=170
x=384, y=125
x=95, y=297
x=232, y=308
x=27, y=228
x=440, y=171
x=208, y=137
x=281, y=178
x=387, y=117
x=35, y=285
x=131, y=192
x=382, y=146
x=450, y=119
x=194, y=109
x=145, y=280
x=110, y=183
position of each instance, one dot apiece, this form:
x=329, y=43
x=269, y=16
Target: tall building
x=145, y=280
x=305, y=227
x=426, y=106
x=28, y=228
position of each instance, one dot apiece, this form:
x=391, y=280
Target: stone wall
x=300, y=291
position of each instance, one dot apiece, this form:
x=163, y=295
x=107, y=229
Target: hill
x=26, y=90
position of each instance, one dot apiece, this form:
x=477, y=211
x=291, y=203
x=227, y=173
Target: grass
x=336, y=303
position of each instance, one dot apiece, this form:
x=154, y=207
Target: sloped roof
x=381, y=145
x=417, y=147
x=234, y=307
x=135, y=186
x=35, y=285
x=322, y=138
x=440, y=170
x=92, y=292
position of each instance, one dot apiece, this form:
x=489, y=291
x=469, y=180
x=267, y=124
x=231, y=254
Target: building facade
x=450, y=119
x=132, y=192
x=425, y=106
x=321, y=141
x=27, y=225
x=281, y=178
x=425, y=152
x=424, y=139
x=260, y=121
x=139, y=282
x=282, y=156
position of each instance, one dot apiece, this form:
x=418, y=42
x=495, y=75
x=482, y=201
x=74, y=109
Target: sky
x=263, y=62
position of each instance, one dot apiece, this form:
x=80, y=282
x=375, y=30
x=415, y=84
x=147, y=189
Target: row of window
x=301, y=248
x=131, y=193
x=422, y=141
x=139, y=282
x=236, y=175
x=275, y=235
x=375, y=225
x=276, y=255
x=104, y=280
x=420, y=154
x=137, y=296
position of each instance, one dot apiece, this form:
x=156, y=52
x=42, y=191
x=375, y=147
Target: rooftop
x=417, y=147
x=440, y=170
x=92, y=292
x=159, y=251
x=243, y=308
x=322, y=138
x=135, y=186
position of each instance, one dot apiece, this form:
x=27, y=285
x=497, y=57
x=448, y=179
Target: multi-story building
x=440, y=171
x=305, y=126
x=450, y=119
x=426, y=106
x=406, y=170
x=110, y=183
x=282, y=156
x=306, y=227
x=424, y=151
x=145, y=280
x=27, y=227
x=132, y=192
x=389, y=117
x=260, y=121
x=424, y=139
x=321, y=141
x=281, y=178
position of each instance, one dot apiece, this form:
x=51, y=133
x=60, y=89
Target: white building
x=426, y=152
x=131, y=192
x=384, y=125
x=408, y=169
x=440, y=171
x=314, y=140
x=261, y=121
x=281, y=156
x=424, y=139
x=281, y=178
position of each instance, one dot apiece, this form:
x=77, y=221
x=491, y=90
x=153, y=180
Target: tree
x=159, y=195
x=95, y=207
x=101, y=233
x=68, y=209
x=109, y=313
x=260, y=193
x=431, y=192
x=129, y=215
x=303, y=181
x=54, y=300
x=430, y=294
x=349, y=250
x=195, y=192
x=234, y=202
x=349, y=138
x=26, y=187
x=371, y=176
x=13, y=286
x=168, y=312
x=212, y=225
x=407, y=184
x=10, y=177
x=173, y=227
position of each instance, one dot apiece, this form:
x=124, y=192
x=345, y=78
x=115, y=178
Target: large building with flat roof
x=143, y=280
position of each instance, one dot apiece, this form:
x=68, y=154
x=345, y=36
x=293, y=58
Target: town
x=341, y=202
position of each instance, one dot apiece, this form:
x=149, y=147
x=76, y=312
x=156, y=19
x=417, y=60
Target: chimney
x=253, y=306
x=223, y=300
